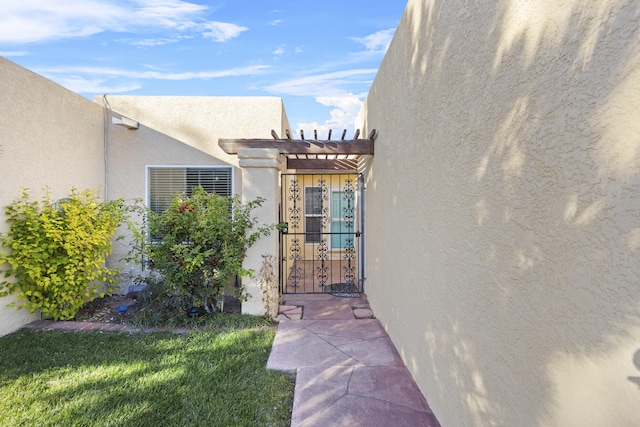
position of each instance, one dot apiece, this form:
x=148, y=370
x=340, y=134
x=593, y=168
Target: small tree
x=57, y=251
x=198, y=245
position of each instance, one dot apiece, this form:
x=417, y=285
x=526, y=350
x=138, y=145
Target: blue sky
x=319, y=56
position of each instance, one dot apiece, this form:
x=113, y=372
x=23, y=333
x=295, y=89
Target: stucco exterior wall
x=503, y=209
x=173, y=125
x=52, y=137
x=261, y=171
x=176, y=130
x=49, y=136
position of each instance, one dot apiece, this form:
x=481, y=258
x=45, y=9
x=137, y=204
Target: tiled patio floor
x=348, y=372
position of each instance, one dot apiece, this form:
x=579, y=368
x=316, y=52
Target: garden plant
x=56, y=251
x=197, y=247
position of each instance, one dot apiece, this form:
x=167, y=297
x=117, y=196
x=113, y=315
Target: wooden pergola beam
x=288, y=146
x=310, y=154
x=323, y=164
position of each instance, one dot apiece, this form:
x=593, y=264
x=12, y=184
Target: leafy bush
x=198, y=246
x=57, y=251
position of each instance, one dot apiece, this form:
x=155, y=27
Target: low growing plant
x=56, y=252
x=268, y=282
x=198, y=246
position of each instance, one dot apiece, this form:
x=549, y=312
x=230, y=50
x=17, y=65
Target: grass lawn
x=204, y=378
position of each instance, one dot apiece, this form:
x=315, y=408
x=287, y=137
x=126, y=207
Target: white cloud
x=378, y=41
x=104, y=72
x=82, y=85
x=113, y=80
x=151, y=42
x=26, y=21
x=279, y=50
x=328, y=90
x=14, y=53
x=329, y=84
x=222, y=31
x=276, y=22
x=342, y=116
x=350, y=104
x=175, y=14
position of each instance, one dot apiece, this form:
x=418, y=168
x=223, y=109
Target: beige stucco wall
x=198, y=121
x=182, y=130
x=49, y=136
x=503, y=209
x=261, y=172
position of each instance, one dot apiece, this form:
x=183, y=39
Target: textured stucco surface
x=49, y=136
x=52, y=137
x=260, y=177
x=503, y=220
x=182, y=130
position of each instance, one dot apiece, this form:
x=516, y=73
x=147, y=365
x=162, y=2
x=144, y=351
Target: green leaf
x=55, y=254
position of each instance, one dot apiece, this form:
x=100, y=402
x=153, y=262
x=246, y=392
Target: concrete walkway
x=348, y=372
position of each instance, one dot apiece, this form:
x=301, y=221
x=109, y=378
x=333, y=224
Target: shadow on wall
x=636, y=362
x=538, y=268
x=129, y=154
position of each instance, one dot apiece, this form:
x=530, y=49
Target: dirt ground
x=104, y=310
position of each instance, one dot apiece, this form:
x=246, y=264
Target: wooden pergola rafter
x=310, y=154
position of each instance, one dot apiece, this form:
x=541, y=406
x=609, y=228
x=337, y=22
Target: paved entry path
x=348, y=372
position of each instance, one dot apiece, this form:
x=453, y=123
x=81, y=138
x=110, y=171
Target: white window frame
x=147, y=201
x=340, y=219
x=306, y=215
x=330, y=219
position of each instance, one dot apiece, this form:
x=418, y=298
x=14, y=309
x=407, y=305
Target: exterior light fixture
x=125, y=122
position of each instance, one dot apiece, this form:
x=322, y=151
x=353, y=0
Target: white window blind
x=166, y=182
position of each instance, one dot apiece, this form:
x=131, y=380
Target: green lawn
x=114, y=379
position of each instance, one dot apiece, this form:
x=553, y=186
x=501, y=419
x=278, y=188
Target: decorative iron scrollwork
x=349, y=270
x=294, y=210
x=295, y=274
x=349, y=218
x=319, y=248
x=324, y=198
x=348, y=210
x=322, y=270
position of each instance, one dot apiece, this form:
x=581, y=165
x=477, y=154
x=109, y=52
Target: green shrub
x=57, y=251
x=198, y=246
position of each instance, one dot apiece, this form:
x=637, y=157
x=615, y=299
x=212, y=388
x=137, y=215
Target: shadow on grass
x=93, y=378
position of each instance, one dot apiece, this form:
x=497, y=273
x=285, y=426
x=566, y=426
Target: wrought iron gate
x=321, y=239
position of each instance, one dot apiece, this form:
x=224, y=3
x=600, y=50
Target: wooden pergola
x=310, y=154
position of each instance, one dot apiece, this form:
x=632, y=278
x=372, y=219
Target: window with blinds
x=166, y=182
x=313, y=214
